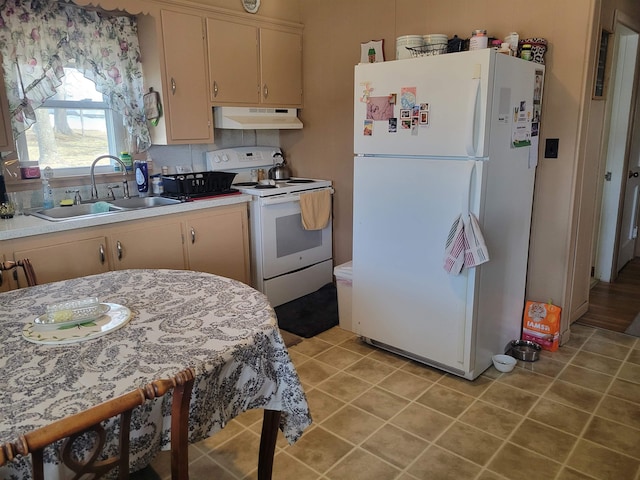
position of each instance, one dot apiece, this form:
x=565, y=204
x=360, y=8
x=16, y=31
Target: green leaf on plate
x=86, y=324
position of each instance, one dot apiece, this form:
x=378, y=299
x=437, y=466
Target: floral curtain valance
x=38, y=38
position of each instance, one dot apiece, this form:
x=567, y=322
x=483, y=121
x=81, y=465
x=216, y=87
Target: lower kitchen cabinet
x=153, y=243
x=63, y=256
x=214, y=240
x=218, y=242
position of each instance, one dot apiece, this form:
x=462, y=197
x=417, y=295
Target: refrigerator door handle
x=466, y=206
x=471, y=115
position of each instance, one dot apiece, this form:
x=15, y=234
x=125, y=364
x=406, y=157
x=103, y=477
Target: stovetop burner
x=293, y=185
x=301, y=180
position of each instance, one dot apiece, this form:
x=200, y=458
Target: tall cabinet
x=174, y=64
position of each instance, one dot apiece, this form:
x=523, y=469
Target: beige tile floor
x=574, y=414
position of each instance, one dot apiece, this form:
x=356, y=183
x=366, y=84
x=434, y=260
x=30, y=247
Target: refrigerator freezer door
x=402, y=296
x=447, y=96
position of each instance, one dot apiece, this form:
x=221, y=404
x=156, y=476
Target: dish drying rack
x=427, y=50
x=198, y=184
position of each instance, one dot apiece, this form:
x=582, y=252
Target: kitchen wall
x=280, y=9
x=566, y=197
x=564, y=207
x=333, y=32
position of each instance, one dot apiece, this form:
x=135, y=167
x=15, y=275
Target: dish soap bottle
x=142, y=177
x=47, y=192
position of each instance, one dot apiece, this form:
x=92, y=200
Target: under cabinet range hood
x=255, y=118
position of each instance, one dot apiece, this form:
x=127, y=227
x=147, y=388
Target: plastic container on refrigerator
x=407, y=41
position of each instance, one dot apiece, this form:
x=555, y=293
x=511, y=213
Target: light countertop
x=26, y=225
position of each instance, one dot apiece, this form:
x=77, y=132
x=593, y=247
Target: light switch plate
x=551, y=148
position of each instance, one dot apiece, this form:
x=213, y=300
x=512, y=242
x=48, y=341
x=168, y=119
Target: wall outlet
x=551, y=148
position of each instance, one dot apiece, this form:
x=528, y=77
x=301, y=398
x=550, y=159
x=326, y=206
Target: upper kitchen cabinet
x=174, y=64
x=233, y=62
x=280, y=68
x=252, y=64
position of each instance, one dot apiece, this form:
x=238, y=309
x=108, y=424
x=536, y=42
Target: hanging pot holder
x=152, y=106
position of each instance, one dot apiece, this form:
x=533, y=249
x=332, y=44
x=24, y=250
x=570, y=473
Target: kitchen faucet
x=125, y=185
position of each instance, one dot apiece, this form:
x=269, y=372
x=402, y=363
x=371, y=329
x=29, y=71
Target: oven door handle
x=286, y=198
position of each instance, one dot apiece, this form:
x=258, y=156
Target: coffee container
x=142, y=177
x=478, y=40
x=156, y=185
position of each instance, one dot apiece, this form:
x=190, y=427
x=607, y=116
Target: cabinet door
x=71, y=259
x=188, y=113
x=156, y=245
x=233, y=62
x=281, y=68
x=218, y=242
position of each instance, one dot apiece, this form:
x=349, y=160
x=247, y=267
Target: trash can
x=344, y=282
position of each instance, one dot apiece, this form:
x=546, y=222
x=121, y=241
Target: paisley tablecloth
x=222, y=328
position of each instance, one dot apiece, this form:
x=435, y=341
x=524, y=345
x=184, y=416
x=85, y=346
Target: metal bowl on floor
x=524, y=350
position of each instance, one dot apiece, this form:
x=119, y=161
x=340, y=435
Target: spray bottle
x=47, y=192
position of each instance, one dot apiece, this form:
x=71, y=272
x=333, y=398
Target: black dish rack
x=198, y=184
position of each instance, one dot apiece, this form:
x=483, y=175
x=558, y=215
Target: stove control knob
x=216, y=159
x=225, y=157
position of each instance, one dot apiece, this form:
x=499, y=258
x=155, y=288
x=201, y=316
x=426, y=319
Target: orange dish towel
x=315, y=208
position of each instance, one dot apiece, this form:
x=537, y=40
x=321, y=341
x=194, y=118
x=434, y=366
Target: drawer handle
x=173, y=86
x=119, y=249
x=193, y=235
x=215, y=88
x=265, y=91
x=102, y=254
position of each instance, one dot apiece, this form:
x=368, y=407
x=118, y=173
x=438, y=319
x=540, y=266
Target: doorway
x=617, y=233
x=614, y=306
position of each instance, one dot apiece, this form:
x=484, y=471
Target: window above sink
x=73, y=127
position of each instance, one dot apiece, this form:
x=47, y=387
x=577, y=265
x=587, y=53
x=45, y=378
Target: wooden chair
x=74, y=426
x=26, y=266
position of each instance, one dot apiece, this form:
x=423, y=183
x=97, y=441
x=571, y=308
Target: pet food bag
x=542, y=324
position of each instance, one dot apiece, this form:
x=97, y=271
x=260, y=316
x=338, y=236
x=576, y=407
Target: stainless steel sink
x=143, y=202
x=87, y=210
x=58, y=214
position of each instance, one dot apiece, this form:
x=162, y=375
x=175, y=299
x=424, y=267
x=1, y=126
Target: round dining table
x=158, y=323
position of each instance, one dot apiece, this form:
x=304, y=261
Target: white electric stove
x=287, y=261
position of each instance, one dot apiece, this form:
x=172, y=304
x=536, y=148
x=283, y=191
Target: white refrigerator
x=435, y=138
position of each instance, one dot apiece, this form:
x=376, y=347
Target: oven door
x=286, y=245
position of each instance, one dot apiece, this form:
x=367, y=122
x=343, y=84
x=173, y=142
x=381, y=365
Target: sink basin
x=142, y=202
x=57, y=214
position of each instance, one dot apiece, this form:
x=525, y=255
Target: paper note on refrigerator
x=521, y=126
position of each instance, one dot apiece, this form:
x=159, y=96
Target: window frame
x=115, y=136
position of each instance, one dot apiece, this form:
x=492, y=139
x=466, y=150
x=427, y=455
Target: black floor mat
x=310, y=315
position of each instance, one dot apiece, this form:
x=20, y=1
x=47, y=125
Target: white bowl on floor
x=504, y=363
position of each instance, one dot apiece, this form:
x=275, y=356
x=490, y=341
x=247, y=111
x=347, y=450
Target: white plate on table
x=115, y=317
